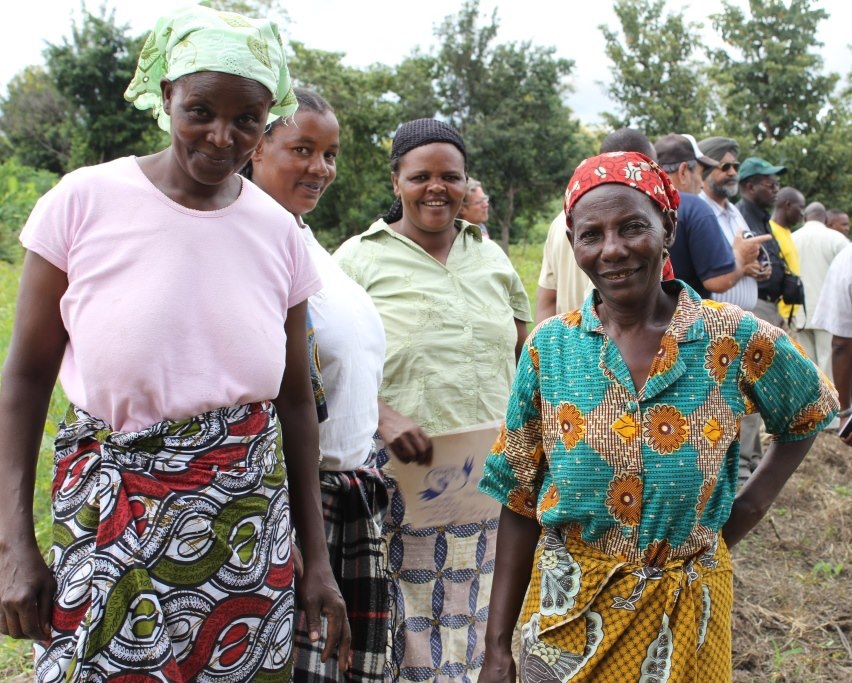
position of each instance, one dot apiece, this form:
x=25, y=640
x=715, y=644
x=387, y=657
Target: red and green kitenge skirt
x=171, y=551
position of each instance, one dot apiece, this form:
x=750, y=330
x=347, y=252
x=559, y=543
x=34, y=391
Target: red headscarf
x=625, y=168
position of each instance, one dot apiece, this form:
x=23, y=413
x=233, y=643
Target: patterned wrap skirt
x=353, y=505
x=440, y=585
x=171, y=551
x=590, y=617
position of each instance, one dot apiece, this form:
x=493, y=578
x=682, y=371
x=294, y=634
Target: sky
x=387, y=30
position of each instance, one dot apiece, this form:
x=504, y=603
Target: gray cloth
x=717, y=147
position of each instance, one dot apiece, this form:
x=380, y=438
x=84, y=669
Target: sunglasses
x=728, y=165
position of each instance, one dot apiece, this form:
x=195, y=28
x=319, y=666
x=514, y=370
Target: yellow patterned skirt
x=591, y=617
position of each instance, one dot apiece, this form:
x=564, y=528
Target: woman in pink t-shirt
x=153, y=289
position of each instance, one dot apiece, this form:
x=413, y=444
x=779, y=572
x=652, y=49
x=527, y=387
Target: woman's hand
x=317, y=592
x=26, y=592
x=404, y=436
x=318, y=595
x=38, y=342
x=498, y=667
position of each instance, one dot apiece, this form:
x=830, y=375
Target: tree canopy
x=659, y=84
x=765, y=86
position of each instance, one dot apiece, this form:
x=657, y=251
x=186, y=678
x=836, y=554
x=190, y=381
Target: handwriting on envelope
x=445, y=492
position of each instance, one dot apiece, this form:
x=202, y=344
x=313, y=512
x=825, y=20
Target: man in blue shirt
x=701, y=256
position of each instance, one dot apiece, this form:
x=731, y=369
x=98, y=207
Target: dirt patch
x=793, y=576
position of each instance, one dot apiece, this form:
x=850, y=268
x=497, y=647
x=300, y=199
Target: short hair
x=788, y=194
x=834, y=213
x=815, y=211
x=472, y=184
x=628, y=140
x=309, y=100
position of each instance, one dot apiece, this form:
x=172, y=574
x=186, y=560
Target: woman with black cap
x=455, y=315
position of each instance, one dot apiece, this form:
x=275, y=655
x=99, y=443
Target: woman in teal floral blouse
x=621, y=444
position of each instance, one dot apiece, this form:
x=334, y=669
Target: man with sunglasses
x=721, y=184
x=701, y=255
x=758, y=180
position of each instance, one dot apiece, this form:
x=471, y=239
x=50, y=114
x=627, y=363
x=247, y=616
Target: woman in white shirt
x=295, y=163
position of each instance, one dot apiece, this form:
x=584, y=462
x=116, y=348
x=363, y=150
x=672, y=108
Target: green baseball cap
x=757, y=166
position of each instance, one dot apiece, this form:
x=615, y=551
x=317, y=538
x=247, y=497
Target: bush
x=20, y=188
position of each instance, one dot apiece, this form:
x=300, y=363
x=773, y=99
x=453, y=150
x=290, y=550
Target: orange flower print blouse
x=647, y=475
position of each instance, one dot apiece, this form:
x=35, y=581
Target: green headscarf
x=197, y=39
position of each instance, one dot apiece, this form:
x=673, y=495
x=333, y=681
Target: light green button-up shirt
x=450, y=328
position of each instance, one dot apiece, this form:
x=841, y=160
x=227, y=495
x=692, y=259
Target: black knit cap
x=418, y=133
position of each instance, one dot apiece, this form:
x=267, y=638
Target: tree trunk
x=506, y=221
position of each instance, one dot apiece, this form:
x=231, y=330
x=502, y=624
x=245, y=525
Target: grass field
x=793, y=574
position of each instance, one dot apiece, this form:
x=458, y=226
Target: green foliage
x=92, y=71
x=768, y=75
x=20, y=188
x=507, y=101
x=34, y=121
x=818, y=160
x=828, y=570
x=522, y=146
x=658, y=84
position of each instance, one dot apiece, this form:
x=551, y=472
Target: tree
x=658, y=84
x=92, y=71
x=507, y=101
x=20, y=188
x=33, y=120
x=817, y=160
x=769, y=77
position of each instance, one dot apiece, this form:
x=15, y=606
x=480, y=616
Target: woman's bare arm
x=35, y=353
x=317, y=590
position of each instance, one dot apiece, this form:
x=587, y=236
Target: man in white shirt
x=721, y=184
x=817, y=246
x=834, y=314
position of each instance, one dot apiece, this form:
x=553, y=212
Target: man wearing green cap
x=758, y=190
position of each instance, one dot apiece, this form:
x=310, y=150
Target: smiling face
x=618, y=237
x=296, y=162
x=217, y=120
x=431, y=185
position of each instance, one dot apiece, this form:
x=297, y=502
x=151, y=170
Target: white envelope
x=445, y=492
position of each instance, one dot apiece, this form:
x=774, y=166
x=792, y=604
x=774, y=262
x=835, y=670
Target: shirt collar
x=381, y=227
x=687, y=322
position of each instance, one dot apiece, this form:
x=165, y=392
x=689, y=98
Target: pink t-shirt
x=170, y=311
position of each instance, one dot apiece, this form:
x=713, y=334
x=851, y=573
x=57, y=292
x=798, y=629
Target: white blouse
x=351, y=344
